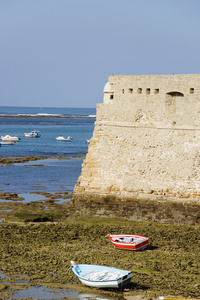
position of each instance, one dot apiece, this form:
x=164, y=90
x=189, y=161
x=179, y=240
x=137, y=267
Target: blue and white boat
x=32, y=134
x=101, y=276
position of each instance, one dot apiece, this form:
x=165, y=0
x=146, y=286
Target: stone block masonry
x=143, y=161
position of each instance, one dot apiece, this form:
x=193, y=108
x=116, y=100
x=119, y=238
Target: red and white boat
x=128, y=241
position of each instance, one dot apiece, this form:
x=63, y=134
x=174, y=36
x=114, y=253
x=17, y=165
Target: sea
x=54, y=174
x=50, y=174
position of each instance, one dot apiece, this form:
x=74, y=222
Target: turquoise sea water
x=25, y=178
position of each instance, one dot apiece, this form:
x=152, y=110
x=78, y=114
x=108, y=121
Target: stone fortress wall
x=145, y=149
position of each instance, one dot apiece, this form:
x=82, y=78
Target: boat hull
x=109, y=284
x=101, y=276
x=32, y=134
x=139, y=242
x=64, y=139
x=7, y=143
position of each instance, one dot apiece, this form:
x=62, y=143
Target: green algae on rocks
x=42, y=252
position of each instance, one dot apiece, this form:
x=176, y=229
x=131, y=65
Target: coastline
x=39, y=238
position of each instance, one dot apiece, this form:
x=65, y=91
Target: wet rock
x=169, y=266
x=49, y=201
x=10, y=196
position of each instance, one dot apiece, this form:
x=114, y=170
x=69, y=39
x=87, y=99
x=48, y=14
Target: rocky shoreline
x=39, y=238
x=38, y=250
x=24, y=159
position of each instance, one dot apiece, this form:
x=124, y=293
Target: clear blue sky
x=59, y=53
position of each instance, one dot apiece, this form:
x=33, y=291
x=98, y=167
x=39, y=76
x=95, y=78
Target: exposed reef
x=40, y=252
x=158, y=209
x=12, y=160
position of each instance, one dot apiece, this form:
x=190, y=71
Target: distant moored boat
x=32, y=134
x=8, y=138
x=62, y=138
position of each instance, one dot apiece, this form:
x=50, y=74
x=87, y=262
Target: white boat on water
x=87, y=141
x=8, y=138
x=32, y=134
x=62, y=138
x=7, y=143
x=101, y=276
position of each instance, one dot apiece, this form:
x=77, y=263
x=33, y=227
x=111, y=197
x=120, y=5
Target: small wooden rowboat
x=101, y=276
x=128, y=241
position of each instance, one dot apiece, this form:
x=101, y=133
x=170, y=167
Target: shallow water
x=44, y=293
x=49, y=175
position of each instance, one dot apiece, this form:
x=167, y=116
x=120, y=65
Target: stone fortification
x=143, y=160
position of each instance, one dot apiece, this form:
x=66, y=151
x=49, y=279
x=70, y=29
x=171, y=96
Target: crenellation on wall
x=163, y=83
